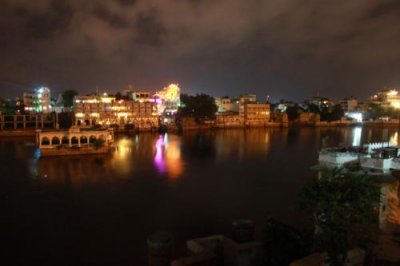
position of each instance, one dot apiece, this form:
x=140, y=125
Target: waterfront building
x=141, y=96
x=168, y=100
x=228, y=119
x=255, y=114
x=349, y=104
x=74, y=141
x=387, y=98
x=309, y=118
x=283, y=105
x=106, y=110
x=320, y=102
x=248, y=98
x=37, y=101
x=226, y=104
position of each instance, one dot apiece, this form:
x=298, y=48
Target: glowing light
x=394, y=139
x=392, y=93
x=121, y=161
x=396, y=104
x=79, y=115
x=168, y=99
x=122, y=114
x=357, y=136
x=168, y=157
x=95, y=114
x=118, y=108
x=158, y=158
x=107, y=99
x=356, y=116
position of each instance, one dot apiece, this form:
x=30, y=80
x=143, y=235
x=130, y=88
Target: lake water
x=98, y=210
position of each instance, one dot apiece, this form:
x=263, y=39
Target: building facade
x=226, y=104
x=349, y=104
x=141, y=96
x=37, y=101
x=255, y=114
x=105, y=110
x=387, y=98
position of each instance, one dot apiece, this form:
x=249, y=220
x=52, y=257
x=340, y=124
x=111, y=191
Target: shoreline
x=32, y=132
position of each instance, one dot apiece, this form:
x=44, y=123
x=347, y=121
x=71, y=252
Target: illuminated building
x=349, y=104
x=168, y=99
x=255, y=114
x=106, y=110
x=226, y=104
x=245, y=111
x=248, y=98
x=141, y=96
x=387, y=98
x=320, y=102
x=37, y=101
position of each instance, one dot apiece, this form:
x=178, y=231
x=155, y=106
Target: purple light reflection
x=159, y=158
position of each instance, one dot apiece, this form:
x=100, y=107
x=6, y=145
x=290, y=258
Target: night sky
x=290, y=49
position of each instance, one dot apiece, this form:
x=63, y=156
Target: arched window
x=55, y=141
x=84, y=140
x=74, y=140
x=92, y=139
x=64, y=140
x=45, y=141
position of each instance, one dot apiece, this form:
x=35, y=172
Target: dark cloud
x=114, y=20
x=149, y=30
x=383, y=9
x=286, y=48
x=126, y=2
x=45, y=24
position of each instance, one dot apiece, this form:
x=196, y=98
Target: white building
x=37, y=101
x=226, y=104
x=349, y=104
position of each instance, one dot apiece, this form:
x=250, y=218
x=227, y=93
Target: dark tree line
x=201, y=107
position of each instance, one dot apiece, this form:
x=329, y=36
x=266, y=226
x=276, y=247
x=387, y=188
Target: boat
x=75, y=141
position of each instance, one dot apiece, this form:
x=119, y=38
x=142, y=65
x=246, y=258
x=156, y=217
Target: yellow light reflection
x=394, y=139
x=120, y=161
x=168, y=156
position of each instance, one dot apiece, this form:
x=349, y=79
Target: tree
x=120, y=96
x=344, y=208
x=375, y=111
x=293, y=112
x=201, y=107
x=68, y=97
x=336, y=114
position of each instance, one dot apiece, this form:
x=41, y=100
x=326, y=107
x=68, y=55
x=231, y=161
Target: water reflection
x=122, y=161
x=165, y=155
x=72, y=171
x=357, y=136
x=394, y=139
x=167, y=158
x=240, y=144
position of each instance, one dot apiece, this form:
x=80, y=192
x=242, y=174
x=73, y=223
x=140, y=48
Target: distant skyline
x=288, y=49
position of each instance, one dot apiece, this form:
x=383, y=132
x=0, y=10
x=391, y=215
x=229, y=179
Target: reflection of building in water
x=239, y=143
x=167, y=156
x=76, y=171
x=394, y=139
x=121, y=161
x=357, y=136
